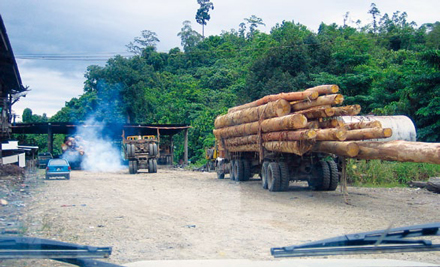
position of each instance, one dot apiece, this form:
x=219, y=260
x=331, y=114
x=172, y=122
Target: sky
x=99, y=29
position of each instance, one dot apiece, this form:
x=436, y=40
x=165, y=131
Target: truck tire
x=220, y=170
x=231, y=170
x=150, y=166
x=264, y=174
x=322, y=178
x=151, y=149
x=154, y=165
x=130, y=167
x=155, y=149
x=135, y=166
x=273, y=177
x=130, y=151
x=285, y=178
x=334, y=175
x=246, y=170
x=239, y=170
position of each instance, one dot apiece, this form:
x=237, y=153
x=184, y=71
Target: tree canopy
x=389, y=67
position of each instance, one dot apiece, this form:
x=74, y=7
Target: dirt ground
x=176, y=214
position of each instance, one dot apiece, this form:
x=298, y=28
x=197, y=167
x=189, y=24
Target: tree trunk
x=317, y=112
x=320, y=101
x=344, y=149
x=244, y=148
x=289, y=122
x=331, y=134
x=352, y=110
x=363, y=125
x=295, y=147
x=278, y=108
x=369, y=133
x=403, y=151
x=325, y=89
x=433, y=184
x=331, y=123
x=273, y=136
x=292, y=96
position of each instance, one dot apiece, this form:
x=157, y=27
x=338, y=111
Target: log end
x=282, y=107
x=352, y=150
x=338, y=99
x=387, y=132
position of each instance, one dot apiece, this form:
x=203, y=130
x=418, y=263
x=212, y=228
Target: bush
x=385, y=173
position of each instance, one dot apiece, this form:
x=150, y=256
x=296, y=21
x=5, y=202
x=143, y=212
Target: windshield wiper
x=382, y=241
x=37, y=248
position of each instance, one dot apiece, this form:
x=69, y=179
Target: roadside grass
x=377, y=173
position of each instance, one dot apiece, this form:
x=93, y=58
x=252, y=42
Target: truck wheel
x=285, y=179
x=334, y=175
x=154, y=165
x=246, y=170
x=264, y=174
x=321, y=181
x=273, y=177
x=239, y=170
x=155, y=149
x=130, y=150
x=130, y=167
x=231, y=170
x=220, y=170
x=135, y=166
x=150, y=166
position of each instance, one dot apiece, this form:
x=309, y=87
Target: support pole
x=49, y=138
x=172, y=149
x=185, y=155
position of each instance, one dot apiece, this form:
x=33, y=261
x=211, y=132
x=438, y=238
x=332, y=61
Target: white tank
x=402, y=126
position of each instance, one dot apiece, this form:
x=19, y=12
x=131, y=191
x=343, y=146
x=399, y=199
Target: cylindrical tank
x=402, y=126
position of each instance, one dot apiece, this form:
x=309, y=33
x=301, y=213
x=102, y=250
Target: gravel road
x=176, y=214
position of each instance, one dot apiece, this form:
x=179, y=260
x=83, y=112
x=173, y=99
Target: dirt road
x=192, y=215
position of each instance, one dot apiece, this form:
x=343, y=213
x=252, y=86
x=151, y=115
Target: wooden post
x=185, y=148
x=172, y=149
x=49, y=138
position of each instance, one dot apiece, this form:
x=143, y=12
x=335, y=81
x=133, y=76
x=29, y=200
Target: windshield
x=217, y=130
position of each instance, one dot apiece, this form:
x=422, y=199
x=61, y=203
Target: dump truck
x=141, y=152
x=306, y=136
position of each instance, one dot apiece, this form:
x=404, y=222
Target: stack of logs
x=300, y=122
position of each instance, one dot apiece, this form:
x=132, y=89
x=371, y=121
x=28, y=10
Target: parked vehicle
x=141, y=152
x=58, y=168
x=43, y=158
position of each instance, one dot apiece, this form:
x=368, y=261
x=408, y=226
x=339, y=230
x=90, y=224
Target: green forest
x=389, y=67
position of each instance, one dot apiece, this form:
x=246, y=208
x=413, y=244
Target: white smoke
x=100, y=154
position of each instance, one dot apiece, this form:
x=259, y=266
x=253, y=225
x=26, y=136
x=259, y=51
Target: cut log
x=352, y=110
x=363, y=125
x=325, y=89
x=325, y=100
x=292, y=96
x=369, y=133
x=289, y=122
x=277, y=108
x=331, y=134
x=403, y=151
x=274, y=136
x=330, y=123
x=433, y=184
x=317, y=112
x=244, y=148
x=295, y=147
x=344, y=149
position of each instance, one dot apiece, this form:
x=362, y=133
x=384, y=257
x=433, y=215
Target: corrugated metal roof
x=9, y=74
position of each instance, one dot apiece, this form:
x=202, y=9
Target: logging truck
x=302, y=136
x=141, y=153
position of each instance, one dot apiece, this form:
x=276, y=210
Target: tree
x=202, y=15
x=374, y=11
x=189, y=37
x=148, y=39
x=254, y=22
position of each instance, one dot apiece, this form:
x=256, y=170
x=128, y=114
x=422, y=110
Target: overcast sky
x=102, y=28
